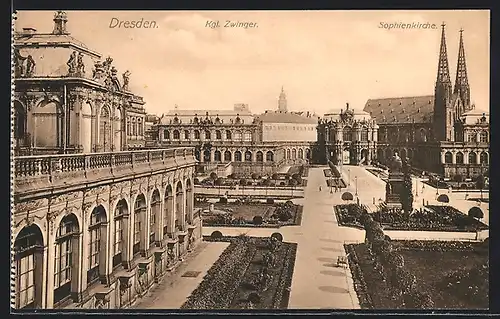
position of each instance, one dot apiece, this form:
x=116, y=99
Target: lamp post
x=416, y=187
x=348, y=177
x=356, y=182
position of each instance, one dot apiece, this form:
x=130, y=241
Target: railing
x=48, y=164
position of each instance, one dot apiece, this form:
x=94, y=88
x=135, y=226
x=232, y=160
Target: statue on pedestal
x=396, y=164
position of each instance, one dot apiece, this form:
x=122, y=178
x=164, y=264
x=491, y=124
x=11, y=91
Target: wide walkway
x=173, y=291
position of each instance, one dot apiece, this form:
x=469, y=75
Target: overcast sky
x=322, y=58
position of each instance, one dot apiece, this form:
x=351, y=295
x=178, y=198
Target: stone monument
x=395, y=183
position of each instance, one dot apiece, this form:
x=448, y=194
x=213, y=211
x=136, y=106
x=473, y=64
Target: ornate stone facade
x=61, y=105
x=235, y=138
x=98, y=243
x=347, y=137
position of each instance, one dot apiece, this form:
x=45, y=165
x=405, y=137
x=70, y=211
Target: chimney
x=29, y=31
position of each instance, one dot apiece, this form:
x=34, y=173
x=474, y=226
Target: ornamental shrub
x=270, y=200
x=216, y=235
x=257, y=220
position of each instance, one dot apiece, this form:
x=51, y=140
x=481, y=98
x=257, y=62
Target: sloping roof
x=204, y=112
x=47, y=37
x=412, y=109
x=286, y=117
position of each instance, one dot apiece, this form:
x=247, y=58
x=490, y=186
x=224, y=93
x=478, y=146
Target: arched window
x=237, y=156
x=228, y=135
x=347, y=134
x=448, y=158
x=364, y=134
x=105, y=129
x=483, y=137
x=288, y=154
x=129, y=131
x=196, y=134
x=29, y=265
x=484, y=158
x=139, y=214
x=269, y=156
x=218, y=135
x=153, y=218
x=140, y=130
x=177, y=135
x=207, y=135
x=259, y=156
x=134, y=127
x=166, y=134
x=294, y=154
x=217, y=156
x=423, y=135
x=97, y=252
x=168, y=210
x=301, y=154
x=459, y=158
x=121, y=210
x=196, y=120
x=66, y=243
x=472, y=158
x=186, y=134
x=248, y=136
x=248, y=156
x=308, y=153
x=237, y=136
x=471, y=137
x=227, y=156
x=19, y=121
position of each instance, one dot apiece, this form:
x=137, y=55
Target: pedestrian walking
x=320, y=188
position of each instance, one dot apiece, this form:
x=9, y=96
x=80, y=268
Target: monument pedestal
x=393, y=190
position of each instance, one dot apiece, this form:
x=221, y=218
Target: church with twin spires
x=441, y=133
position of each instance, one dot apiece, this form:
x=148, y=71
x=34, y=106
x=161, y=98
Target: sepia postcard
x=250, y=160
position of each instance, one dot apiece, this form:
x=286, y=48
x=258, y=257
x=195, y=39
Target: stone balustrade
x=34, y=174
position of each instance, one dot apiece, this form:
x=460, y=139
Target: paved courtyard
x=316, y=283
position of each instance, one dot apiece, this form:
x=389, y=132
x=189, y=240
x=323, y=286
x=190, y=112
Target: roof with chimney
x=412, y=109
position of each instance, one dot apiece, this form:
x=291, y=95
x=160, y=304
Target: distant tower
x=462, y=88
x=282, y=102
x=443, y=118
x=60, y=20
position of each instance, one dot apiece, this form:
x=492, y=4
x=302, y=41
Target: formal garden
x=430, y=218
x=418, y=274
x=251, y=273
x=334, y=177
x=250, y=213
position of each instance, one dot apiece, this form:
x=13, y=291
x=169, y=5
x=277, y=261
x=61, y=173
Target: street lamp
x=356, y=182
x=416, y=187
x=348, y=177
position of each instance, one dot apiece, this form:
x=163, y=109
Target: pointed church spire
x=461, y=82
x=443, y=75
x=282, y=107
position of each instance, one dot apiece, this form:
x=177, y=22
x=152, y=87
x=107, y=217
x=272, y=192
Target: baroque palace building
x=441, y=133
x=67, y=100
x=237, y=140
x=100, y=227
x=347, y=137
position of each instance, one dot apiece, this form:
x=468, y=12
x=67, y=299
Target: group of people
x=336, y=187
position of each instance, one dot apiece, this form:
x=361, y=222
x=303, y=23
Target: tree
x=458, y=178
x=255, y=176
x=476, y=212
x=297, y=177
x=219, y=181
x=213, y=176
x=480, y=184
x=275, y=176
x=406, y=192
x=243, y=182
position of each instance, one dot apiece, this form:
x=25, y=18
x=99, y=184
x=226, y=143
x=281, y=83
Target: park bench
x=342, y=261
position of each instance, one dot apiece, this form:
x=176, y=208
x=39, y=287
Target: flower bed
x=243, y=215
x=235, y=279
x=334, y=182
x=453, y=274
x=348, y=215
x=432, y=218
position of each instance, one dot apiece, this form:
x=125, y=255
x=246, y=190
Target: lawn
x=252, y=214
x=454, y=274
x=432, y=218
x=243, y=278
